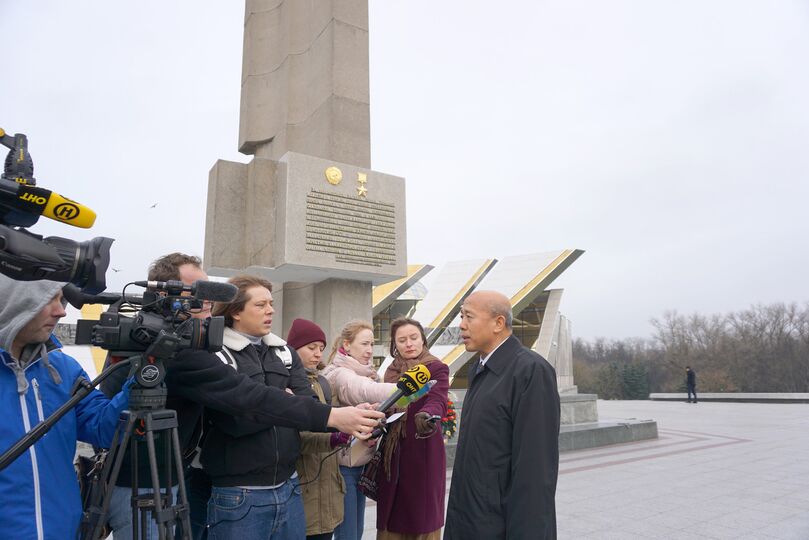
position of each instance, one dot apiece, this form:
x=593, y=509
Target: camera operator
x=185, y=268
x=39, y=492
x=197, y=379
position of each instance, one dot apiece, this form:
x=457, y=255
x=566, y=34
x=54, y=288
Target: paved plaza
x=718, y=470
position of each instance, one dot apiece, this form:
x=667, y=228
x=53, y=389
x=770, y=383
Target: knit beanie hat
x=304, y=332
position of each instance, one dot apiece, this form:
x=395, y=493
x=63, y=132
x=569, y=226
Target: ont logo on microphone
x=66, y=211
x=33, y=198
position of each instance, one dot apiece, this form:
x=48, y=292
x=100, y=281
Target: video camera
x=162, y=324
x=26, y=256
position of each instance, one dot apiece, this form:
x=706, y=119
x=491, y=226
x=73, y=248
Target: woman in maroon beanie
x=322, y=495
x=412, y=479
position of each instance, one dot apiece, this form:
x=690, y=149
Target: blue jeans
x=257, y=514
x=120, y=513
x=354, y=507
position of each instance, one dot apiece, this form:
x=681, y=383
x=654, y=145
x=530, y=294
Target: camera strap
x=227, y=357
x=284, y=355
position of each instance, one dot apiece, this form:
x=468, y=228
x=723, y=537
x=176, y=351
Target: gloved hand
x=424, y=427
x=339, y=438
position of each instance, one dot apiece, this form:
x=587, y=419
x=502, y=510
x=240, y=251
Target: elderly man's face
x=477, y=327
x=39, y=329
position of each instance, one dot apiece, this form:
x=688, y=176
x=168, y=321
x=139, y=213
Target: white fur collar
x=236, y=342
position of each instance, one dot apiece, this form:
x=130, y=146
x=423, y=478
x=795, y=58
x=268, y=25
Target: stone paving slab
x=717, y=471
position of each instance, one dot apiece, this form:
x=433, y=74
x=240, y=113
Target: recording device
x=26, y=256
x=163, y=326
x=409, y=382
x=407, y=400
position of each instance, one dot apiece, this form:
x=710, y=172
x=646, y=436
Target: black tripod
x=146, y=420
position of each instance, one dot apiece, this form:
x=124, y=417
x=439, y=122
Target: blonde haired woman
x=353, y=381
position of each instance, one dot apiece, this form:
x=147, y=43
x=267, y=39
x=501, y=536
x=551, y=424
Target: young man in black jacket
x=255, y=492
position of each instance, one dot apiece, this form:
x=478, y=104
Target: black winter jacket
x=196, y=379
x=507, y=460
x=239, y=451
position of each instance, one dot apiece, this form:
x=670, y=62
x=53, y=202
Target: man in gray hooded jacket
x=39, y=492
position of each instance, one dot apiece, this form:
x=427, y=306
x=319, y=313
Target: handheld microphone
x=404, y=401
x=202, y=290
x=409, y=383
x=44, y=202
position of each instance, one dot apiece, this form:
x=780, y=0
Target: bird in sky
x=116, y=269
x=155, y=204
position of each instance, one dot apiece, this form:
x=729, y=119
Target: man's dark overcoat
x=507, y=460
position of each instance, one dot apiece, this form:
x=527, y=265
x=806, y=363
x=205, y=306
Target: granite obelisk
x=307, y=212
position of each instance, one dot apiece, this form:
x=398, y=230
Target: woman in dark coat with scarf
x=412, y=479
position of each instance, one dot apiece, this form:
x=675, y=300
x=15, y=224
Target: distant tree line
x=761, y=349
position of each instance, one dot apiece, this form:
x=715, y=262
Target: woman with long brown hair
x=353, y=380
x=412, y=480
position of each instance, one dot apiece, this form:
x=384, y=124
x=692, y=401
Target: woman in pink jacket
x=353, y=381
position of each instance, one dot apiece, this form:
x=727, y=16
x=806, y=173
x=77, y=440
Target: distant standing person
x=507, y=460
x=691, y=383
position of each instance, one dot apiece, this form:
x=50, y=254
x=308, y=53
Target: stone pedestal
x=323, y=232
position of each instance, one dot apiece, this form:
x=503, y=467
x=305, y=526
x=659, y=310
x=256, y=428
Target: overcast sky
x=667, y=139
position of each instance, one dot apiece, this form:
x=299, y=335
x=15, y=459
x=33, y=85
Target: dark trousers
x=198, y=490
x=692, y=389
x=322, y=536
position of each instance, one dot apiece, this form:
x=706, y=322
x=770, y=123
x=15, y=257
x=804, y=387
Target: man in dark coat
x=507, y=460
x=691, y=383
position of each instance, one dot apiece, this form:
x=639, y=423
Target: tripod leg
x=138, y=527
x=158, y=504
x=182, y=497
x=109, y=476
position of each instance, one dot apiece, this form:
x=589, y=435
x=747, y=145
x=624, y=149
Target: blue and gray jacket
x=39, y=492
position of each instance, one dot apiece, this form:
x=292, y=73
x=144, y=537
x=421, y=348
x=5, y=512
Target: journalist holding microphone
x=412, y=480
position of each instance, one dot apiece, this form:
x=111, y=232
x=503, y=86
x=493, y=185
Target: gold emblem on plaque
x=334, y=175
x=362, y=177
x=361, y=191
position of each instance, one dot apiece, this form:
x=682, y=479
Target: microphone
x=404, y=401
x=44, y=202
x=201, y=290
x=214, y=291
x=409, y=383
